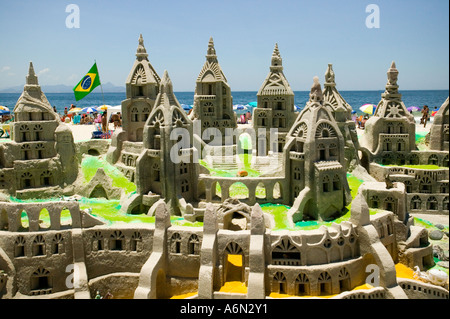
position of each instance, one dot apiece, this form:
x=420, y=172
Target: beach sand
x=83, y=132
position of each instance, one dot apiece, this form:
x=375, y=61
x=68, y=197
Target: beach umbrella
x=3, y=108
x=103, y=107
x=433, y=113
x=253, y=104
x=368, y=108
x=413, y=109
x=75, y=110
x=89, y=110
x=297, y=108
x=186, y=107
x=4, y=112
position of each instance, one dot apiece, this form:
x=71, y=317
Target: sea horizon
x=355, y=98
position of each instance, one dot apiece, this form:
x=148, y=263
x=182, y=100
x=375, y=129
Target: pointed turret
x=31, y=78
x=211, y=52
x=390, y=133
x=141, y=52
x=316, y=94
x=275, y=108
x=166, y=85
x=277, y=61
x=329, y=76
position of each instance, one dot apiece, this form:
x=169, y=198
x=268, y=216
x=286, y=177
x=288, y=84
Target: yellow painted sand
x=277, y=295
x=184, y=296
x=234, y=287
x=404, y=271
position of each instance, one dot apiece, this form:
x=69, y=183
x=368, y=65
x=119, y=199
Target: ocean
x=419, y=98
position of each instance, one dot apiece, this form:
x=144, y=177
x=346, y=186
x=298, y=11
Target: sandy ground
x=83, y=132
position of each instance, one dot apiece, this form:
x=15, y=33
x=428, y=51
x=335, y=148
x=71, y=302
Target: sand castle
x=160, y=150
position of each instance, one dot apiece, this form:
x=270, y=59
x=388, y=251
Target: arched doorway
x=233, y=263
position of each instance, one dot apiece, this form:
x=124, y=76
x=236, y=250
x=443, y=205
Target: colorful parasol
x=75, y=110
x=89, y=110
x=413, y=109
x=368, y=108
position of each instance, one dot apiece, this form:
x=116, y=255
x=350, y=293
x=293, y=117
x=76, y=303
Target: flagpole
x=101, y=87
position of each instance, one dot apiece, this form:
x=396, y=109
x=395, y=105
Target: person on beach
x=104, y=123
x=116, y=120
x=425, y=115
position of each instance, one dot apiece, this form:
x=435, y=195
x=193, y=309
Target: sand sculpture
x=158, y=150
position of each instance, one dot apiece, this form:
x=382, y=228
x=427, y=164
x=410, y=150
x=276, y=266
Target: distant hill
x=61, y=88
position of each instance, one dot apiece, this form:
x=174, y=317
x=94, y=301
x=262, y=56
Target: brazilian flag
x=88, y=83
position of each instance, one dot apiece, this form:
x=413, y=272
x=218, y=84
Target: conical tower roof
x=211, y=71
x=32, y=98
x=142, y=72
x=275, y=83
x=331, y=94
x=141, y=52
x=391, y=105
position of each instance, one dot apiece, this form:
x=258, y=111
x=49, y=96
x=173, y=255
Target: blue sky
x=310, y=34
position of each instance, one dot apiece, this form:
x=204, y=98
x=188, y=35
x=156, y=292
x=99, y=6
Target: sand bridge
x=273, y=186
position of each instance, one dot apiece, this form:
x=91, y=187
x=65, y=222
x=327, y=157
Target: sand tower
x=342, y=113
x=315, y=162
x=142, y=87
x=389, y=134
x=275, y=109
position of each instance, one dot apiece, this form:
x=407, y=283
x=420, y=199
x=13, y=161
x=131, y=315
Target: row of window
x=430, y=204
x=39, y=247
x=302, y=284
x=43, y=179
x=116, y=241
x=411, y=159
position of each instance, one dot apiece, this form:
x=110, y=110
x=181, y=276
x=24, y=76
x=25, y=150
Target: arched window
x=97, y=241
x=19, y=247
x=414, y=159
x=134, y=115
x=432, y=203
x=324, y=281
x=27, y=180
x=117, y=240
x=41, y=280
x=408, y=186
x=175, y=243
x=279, y=283
x=389, y=204
x=425, y=185
x=39, y=246
x=445, y=203
x=285, y=253
x=302, y=285
x=333, y=151
x=344, y=280
x=193, y=245
x=136, y=241
x=416, y=203
x=57, y=244
x=374, y=201
x=184, y=186
x=433, y=160
x=322, y=154
x=46, y=178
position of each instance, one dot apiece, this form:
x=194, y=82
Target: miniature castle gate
x=225, y=183
x=10, y=214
